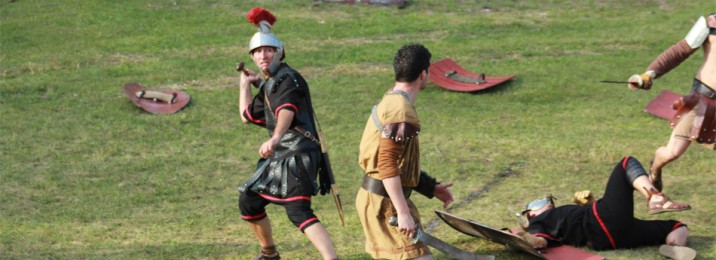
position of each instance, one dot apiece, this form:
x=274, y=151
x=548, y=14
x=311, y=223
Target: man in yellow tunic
x=390, y=158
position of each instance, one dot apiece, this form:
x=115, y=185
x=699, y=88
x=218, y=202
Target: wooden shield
x=508, y=238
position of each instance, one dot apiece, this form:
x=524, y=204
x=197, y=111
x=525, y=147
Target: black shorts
x=298, y=208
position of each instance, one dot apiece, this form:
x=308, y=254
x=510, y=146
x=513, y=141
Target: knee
x=675, y=154
x=633, y=168
x=302, y=218
x=678, y=236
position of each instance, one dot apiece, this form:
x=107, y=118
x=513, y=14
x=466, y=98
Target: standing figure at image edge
x=695, y=119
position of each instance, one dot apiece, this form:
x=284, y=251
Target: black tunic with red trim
x=293, y=168
x=568, y=224
x=609, y=223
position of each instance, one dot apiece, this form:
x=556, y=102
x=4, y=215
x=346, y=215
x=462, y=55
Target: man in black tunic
x=609, y=222
x=286, y=174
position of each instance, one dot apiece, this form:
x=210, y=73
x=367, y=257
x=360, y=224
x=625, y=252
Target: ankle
x=269, y=253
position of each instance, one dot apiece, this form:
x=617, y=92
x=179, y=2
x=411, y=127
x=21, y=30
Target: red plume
x=259, y=14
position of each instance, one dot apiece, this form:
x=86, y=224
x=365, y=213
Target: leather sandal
x=664, y=205
x=264, y=257
x=268, y=253
x=655, y=176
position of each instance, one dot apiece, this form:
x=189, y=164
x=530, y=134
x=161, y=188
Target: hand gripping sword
x=442, y=246
x=240, y=67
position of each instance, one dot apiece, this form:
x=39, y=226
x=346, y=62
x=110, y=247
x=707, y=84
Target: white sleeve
x=698, y=33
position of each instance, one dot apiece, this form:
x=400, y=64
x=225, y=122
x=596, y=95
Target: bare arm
x=406, y=224
x=245, y=93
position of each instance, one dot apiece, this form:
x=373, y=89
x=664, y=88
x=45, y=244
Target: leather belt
x=701, y=88
x=376, y=186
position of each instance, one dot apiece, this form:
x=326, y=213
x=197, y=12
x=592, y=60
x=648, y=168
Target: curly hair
x=410, y=61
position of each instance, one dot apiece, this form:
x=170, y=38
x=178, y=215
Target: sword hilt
x=240, y=67
x=393, y=221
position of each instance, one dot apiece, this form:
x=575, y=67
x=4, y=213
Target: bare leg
x=321, y=240
x=675, y=247
x=645, y=187
x=262, y=231
x=666, y=154
x=677, y=237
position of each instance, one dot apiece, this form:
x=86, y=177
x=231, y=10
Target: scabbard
x=339, y=204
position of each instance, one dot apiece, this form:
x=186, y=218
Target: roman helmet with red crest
x=264, y=20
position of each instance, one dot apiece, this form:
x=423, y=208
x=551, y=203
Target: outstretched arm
x=672, y=57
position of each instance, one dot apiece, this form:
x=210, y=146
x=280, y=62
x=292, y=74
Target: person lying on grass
x=609, y=223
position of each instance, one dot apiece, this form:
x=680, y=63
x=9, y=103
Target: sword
x=332, y=179
x=240, y=68
x=442, y=246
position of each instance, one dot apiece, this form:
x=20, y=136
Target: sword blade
x=449, y=249
x=615, y=81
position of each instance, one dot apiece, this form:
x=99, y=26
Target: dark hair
x=410, y=61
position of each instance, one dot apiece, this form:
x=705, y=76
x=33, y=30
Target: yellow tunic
x=382, y=240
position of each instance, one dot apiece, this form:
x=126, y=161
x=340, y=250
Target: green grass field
x=85, y=174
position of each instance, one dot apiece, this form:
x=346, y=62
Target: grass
x=85, y=174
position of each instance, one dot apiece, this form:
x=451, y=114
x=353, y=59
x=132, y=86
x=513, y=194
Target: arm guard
x=671, y=58
x=426, y=185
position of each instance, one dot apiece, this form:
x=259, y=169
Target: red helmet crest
x=259, y=14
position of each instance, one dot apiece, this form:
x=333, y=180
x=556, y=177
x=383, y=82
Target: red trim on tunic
x=286, y=199
x=678, y=225
x=624, y=162
x=604, y=227
x=285, y=105
x=254, y=217
x=246, y=111
x=308, y=221
x=545, y=236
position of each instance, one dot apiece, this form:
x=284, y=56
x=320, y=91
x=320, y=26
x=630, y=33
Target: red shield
x=154, y=106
